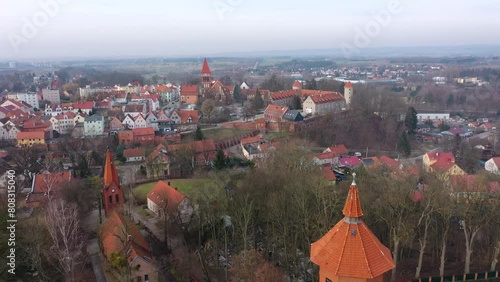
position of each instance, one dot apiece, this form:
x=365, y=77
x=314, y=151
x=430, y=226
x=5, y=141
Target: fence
x=481, y=276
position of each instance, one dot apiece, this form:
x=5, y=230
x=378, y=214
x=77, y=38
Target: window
x=110, y=199
x=328, y=280
x=117, y=199
x=146, y=278
x=139, y=279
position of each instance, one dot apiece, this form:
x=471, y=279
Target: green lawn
x=185, y=186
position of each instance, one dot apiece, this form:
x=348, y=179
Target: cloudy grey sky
x=97, y=28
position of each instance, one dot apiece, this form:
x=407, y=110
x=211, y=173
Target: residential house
x=487, y=126
x=53, y=110
x=134, y=155
x=469, y=187
x=204, y=151
x=25, y=138
x=244, y=85
x=120, y=96
x=134, y=110
x=39, y=123
x=274, y=113
x=122, y=237
x=128, y=122
x=249, y=146
x=324, y=103
x=189, y=94
x=293, y=115
x=93, y=126
x=139, y=122
x=125, y=137
x=187, y=119
x=328, y=174
x=47, y=185
x=115, y=124
x=493, y=165
x=152, y=121
x=16, y=105
x=84, y=107
x=63, y=123
x=442, y=163
x=51, y=95
x=164, y=200
x=371, y=163
x=144, y=135
x=284, y=98
x=29, y=98
x=350, y=162
x=433, y=116
x=158, y=163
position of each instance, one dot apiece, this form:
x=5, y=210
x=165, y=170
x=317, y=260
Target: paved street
x=95, y=256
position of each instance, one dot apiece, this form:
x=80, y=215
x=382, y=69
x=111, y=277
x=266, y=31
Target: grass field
x=216, y=134
x=185, y=186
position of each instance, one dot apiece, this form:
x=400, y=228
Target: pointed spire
x=110, y=173
x=352, y=207
x=205, y=69
x=348, y=85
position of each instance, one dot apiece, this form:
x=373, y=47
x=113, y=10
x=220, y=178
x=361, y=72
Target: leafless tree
x=64, y=228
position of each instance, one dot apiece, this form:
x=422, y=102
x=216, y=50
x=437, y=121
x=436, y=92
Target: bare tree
x=64, y=228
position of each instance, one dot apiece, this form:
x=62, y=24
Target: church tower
x=348, y=92
x=112, y=193
x=206, y=76
x=350, y=251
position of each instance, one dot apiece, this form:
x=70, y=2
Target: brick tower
x=112, y=193
x=206, y=76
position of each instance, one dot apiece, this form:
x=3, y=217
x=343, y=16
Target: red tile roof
x=496, y=160
x=350, y=161
x=297, y=84
x=348, y=85
x=276, y=110
x=326, y=98
x=54, y=181
x=116, y=231
x=31, y=135
x=328, y=174
x=249, y=140
x=84, y=105
x=143, y=131
x=185, y=114
x=285, y=94
x=130, y=153
x=435, y=156
x=338, y=150
x=389, y=163
x=443, y=164
x=187, y=89
x=350, y=249
x=205, y=69
x=473, y=183
x=165, y=196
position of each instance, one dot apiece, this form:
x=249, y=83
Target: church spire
x=110, y=173
x=205, y=69
x=352, y=207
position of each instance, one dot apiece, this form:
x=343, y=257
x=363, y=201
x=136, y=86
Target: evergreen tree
x=258, y=102
x=237, y=94
x=297, y=103
x=199, y=134
x=404, y=144
x=311, y=84
x=411, y=120
x=220, y=160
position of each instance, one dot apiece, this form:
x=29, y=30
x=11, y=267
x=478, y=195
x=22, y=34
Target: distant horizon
x=492, y=49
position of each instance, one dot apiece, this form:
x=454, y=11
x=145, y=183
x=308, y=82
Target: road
x=95, y=256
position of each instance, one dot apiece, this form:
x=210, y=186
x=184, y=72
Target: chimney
x=168, y=183
x=176, y=189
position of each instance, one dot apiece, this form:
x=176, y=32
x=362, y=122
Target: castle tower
x=112, y=193
x=348, y=92
x=206, y=76
x=350, y=251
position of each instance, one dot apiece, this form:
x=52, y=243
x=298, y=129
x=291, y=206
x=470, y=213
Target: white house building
x=29, y=98
x=163, y=200
x=51, y=95
x=493, y=165
x=320, y=104
x=433, y=116
x=93, y=126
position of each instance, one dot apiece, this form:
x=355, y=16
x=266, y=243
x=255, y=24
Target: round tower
x=348, y=92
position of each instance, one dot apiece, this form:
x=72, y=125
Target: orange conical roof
x=110, y=173
x=350, y=249
x=348, y=85
x=352, y=207
x=205, y=69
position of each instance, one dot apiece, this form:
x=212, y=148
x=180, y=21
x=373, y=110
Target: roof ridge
x=374, y=240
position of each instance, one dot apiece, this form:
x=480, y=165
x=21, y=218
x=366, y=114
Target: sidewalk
x=95, y=256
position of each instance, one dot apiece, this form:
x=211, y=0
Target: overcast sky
x=97, y=28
